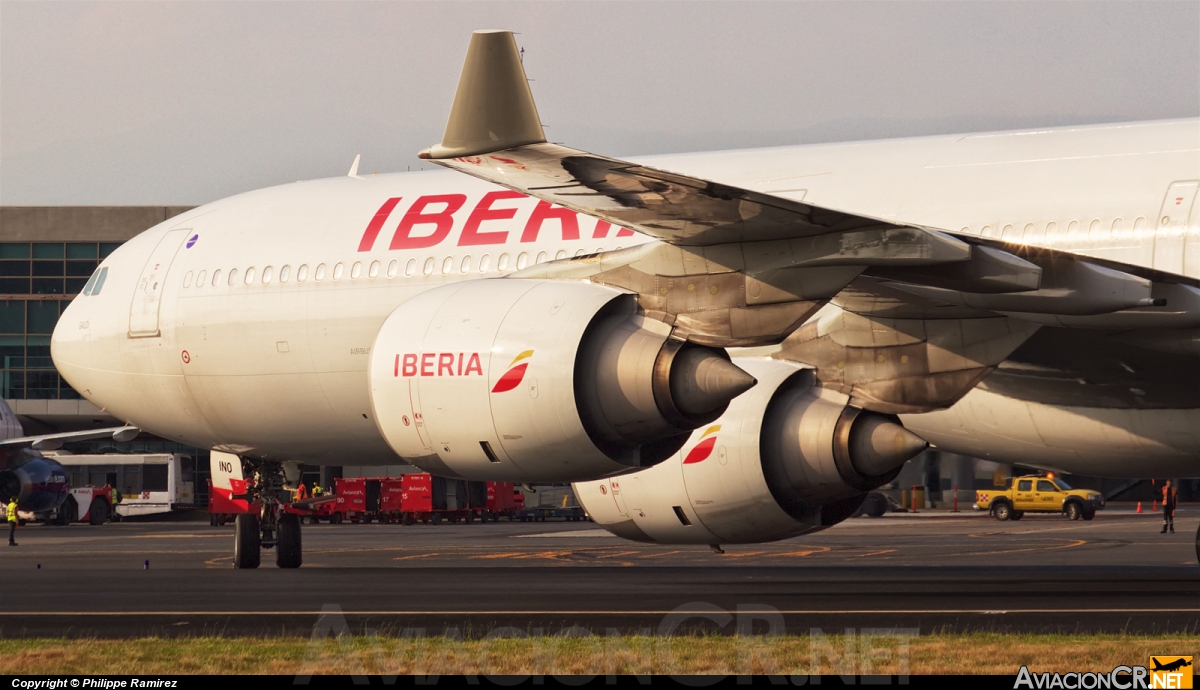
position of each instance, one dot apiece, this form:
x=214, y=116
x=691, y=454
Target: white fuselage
x=196, y=336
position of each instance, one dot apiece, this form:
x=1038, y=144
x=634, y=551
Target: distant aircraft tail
x=10, y=426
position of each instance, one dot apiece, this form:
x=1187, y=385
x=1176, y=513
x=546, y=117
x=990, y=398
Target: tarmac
x=924, y=572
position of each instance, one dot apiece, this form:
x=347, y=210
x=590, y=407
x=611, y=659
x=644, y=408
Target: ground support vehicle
x=90, y=504
x=1047, y=494
x=149, y=483
x=503, y=500
x=429, y=499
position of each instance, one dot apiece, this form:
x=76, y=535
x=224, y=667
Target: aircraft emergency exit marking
x=438, y=210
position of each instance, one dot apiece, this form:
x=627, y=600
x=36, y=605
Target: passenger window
x=485, y=262
x=393, y=268
x=200, y=278
x=541, y=258
x=187, y=279
x=319, y=274
x=562, y=254
x=1116, y=227
x=1025, y=485
x=1139, y=225
x=268, y=273
x=100, y=281
x=250, y=276
x=465, y=266
x=232, y=277
x=987, y=231
x=1009, y=233
x=338, y=270
x=216, y=277
x=522, y=261
x=1073, y=230
x=427, y=269
x=356, y=270
x=1051, y=230
x=373, y=272
x=503, y=264
x=447, y=264
x=302, y=273
x=1094, y=229
x=285, y=273
x=410, y=268
x=579, y=253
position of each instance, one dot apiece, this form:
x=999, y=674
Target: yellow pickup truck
x=1039, y=495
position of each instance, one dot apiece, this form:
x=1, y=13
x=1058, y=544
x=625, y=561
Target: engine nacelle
x=786, y=458
x=38, y=483
x=532, y=380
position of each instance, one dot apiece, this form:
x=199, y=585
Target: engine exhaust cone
x=879, y=445
x=703, y=381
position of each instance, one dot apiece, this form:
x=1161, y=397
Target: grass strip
x=848, y=654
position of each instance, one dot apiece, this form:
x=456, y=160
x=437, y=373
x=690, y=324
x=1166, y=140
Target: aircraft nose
x=71, y=344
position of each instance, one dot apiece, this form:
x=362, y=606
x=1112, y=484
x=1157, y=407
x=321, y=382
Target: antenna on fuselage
x=354, y=166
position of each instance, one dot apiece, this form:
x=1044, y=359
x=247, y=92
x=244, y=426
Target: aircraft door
x=1170, y=238
x=147, y=295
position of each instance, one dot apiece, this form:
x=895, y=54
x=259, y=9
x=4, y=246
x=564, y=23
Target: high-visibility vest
x=12, y=511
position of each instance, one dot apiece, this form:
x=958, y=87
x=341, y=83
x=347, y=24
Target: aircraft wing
x=735, y=267
x=119, y=434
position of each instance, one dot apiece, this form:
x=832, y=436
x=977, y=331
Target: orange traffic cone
x=1155, y=509
x=1139, y=507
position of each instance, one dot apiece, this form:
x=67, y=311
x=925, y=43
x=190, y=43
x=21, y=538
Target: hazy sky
x=186, y=102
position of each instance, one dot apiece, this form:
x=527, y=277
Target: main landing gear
x=270, y=527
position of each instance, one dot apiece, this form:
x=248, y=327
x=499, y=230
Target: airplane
x=40, y=484
x=718, y=347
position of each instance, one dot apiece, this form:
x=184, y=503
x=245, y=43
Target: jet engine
x=540, y=381
x=786, y=458
x=38, y=483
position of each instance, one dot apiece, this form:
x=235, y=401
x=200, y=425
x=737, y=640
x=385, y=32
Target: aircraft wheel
x=288, y=553
x=247, y=542
x=98, y=512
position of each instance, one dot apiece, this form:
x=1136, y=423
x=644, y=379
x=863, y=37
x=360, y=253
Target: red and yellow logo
x=703, y=449
x=515, y=374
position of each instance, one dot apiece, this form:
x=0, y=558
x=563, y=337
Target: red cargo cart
x=425, y=498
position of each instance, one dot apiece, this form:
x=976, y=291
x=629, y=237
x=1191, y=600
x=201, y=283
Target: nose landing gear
x=270, y=527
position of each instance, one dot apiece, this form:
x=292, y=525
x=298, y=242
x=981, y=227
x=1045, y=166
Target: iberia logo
x=704, y=448
x=515, y=374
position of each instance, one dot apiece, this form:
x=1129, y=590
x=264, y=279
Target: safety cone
x=1139, y=507
x=1155, y=508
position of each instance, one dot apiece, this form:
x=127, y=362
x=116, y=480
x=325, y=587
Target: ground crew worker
x=301, y=492
x=12, y=521
x=116, y=501
x=1170, y=498
x=317, y=491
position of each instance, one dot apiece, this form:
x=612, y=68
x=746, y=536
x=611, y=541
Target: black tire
x=1002, y=511
x=1089, y=514
x=67, y=513
x=288, y=551
x=336, y=519
x=409, y=520
x=367, y=519
x=483, y=517
x=247, y=542
x=1073, y=510
x=1017, y=515
x=437, y=518
x=98, y=512
x=469, y=518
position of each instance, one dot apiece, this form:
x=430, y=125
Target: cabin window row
x=374, y=270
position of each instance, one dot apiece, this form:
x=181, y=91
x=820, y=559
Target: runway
x=914, y=572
